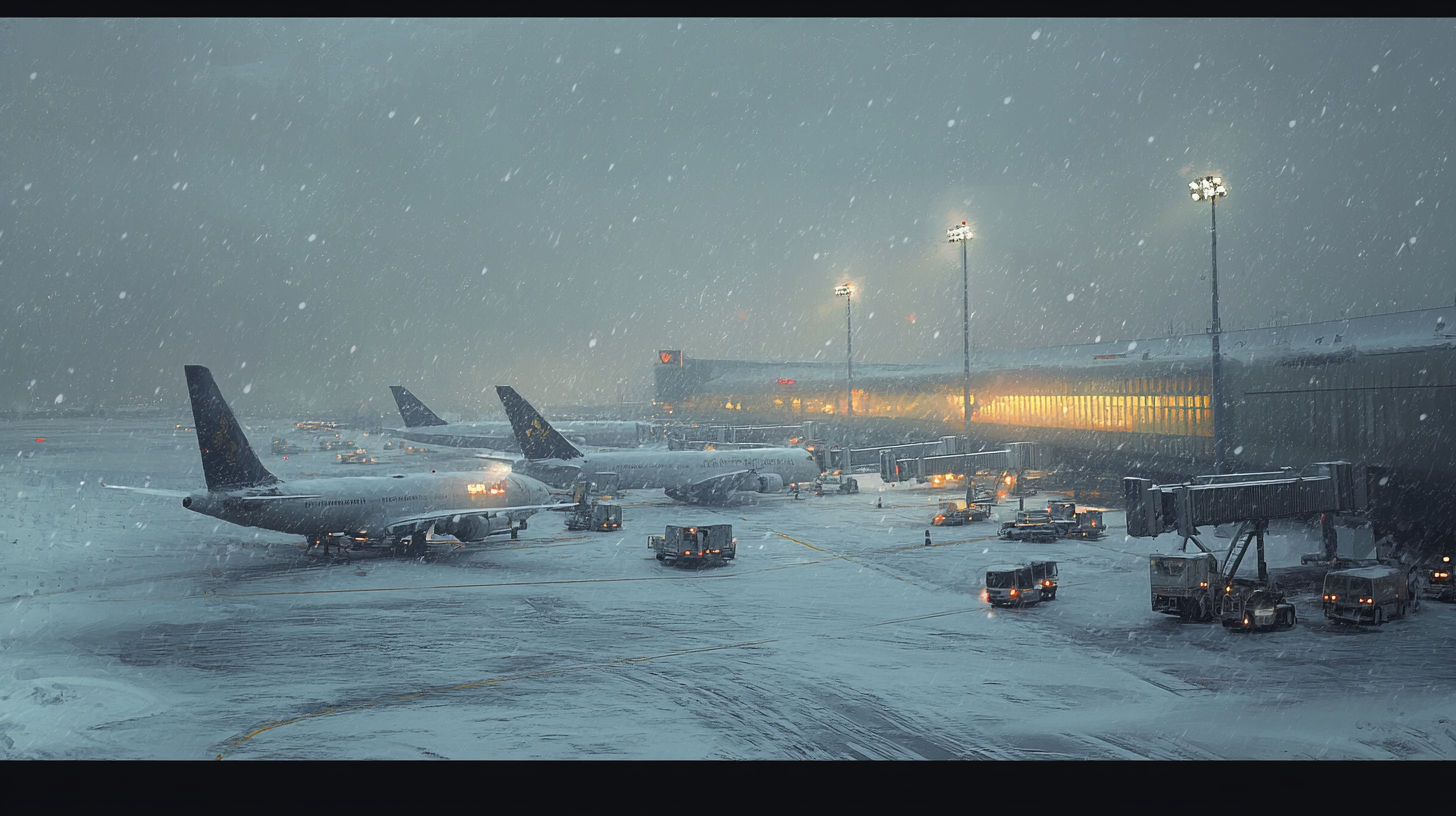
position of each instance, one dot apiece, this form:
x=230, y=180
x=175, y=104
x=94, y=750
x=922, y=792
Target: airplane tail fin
x=228, y=461
x=412, y=411
x=538, y=440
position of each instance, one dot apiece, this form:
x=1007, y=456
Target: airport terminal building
x=1375, y=390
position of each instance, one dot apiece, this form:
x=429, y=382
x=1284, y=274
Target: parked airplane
x=422, y=425
x=701, y=477
x=398, y=510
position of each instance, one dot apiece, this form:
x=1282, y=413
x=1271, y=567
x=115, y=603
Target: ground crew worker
x=878, y=505
x=927, y=538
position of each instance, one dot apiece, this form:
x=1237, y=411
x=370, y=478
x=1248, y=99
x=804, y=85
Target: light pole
x=1211, y=189
x=846, y=290
x=962, y=235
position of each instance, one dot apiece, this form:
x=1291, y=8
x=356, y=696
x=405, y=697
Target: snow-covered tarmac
x=130, y=627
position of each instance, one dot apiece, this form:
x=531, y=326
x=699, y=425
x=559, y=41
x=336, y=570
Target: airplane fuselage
x=366, y=506
x=676, y=469
x=497, y=435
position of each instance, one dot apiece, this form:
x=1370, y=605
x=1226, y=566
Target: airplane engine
x=770, y=483
x=473, y=528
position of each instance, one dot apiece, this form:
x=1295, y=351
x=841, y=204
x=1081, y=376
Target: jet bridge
x=1327, y=487
x=1246, y=499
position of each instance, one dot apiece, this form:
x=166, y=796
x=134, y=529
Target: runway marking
x=880, y=568
x=807, y=544
x=947, y=543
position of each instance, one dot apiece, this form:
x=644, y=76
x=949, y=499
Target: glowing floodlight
x=1207, y=188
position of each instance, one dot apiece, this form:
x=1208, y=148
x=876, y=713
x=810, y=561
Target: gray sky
x=345, y=205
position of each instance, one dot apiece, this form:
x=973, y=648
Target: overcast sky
x=344, y=205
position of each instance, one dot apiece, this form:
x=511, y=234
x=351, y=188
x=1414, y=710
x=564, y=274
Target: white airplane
x=700, y=477
x=422, y=425
x=394, y=510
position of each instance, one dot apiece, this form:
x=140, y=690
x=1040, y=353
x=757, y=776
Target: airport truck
x=1255, y=608
x=1020, y=584
x=1044, y=573
x=705, y=544
x=835, y=483
x=1439, y=586
x=955, y=512
x=1036, y=526
x=1367, y=595
x=593, y=514
x=1185, y=584
x=596, y=516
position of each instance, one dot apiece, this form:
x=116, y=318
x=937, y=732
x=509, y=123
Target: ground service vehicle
x=1086, y=525
x=836, y=483
x=1255, y=608
x=598, y=517
x=1184, y=584
x=947, y=480
x=1036, y=526
x=695, y=546
x=1045, y=575
x=1439, y=586
x=1089, y=527
x=1015, y=585
x=590, y=514
x=1370, y=595
x=954, y=513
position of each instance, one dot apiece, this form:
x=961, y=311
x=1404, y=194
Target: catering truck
x=1185, y=584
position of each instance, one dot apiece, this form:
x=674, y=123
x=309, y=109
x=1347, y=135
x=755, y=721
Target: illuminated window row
x=1161, y=409
x=1178, y=415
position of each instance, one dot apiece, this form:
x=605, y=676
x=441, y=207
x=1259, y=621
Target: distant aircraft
x=699, y=477
x=398, y=510
x=422, y=425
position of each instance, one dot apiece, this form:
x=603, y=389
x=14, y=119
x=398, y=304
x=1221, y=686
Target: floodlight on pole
x=962, y=235
x=1211, y=189
x=846, y=291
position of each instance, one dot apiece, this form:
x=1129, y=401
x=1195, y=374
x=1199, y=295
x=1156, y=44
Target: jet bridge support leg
x=1250, y=532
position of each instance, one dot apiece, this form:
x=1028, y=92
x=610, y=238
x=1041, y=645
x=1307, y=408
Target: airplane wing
x=150, y=491
x=414, y=522
x=714, y=489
